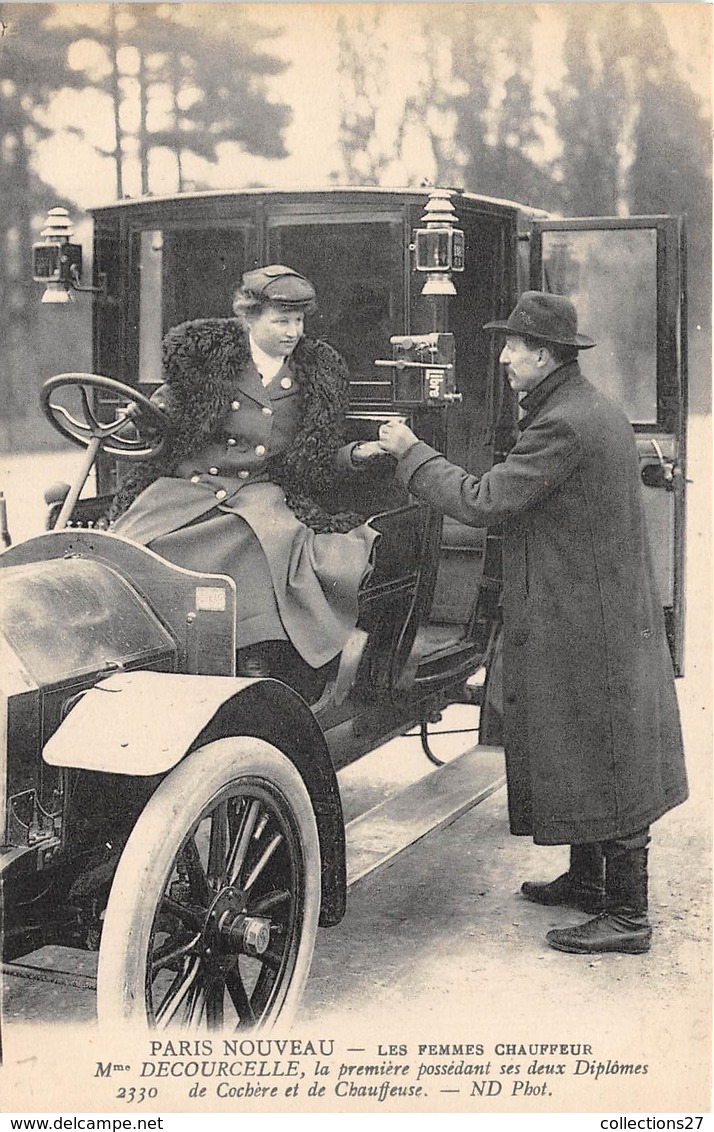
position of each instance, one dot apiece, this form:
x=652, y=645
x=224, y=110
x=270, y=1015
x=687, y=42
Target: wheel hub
x=230, y=930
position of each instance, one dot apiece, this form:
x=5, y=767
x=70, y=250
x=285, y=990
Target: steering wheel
x=139, y=430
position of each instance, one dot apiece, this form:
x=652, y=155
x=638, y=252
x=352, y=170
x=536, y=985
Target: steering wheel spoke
x=88, y=412
x=80, y=426
x=147, y=426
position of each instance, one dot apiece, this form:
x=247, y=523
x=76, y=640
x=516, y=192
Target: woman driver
x=257, y=447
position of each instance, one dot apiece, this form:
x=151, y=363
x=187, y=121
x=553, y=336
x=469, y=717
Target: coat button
x=231, y=442
x=213, y=471
x=260, y=449
x=221, y=494
x=286, y=383
x=244, y=473
x=268, y=412
x=235, y=405
x=195, y=479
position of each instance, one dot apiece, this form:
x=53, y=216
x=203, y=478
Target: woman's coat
x=249, y=486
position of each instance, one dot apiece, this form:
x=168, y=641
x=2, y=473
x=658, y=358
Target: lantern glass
x=45, y=262
x=433, y=249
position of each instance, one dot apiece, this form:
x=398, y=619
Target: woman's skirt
x=292, y=583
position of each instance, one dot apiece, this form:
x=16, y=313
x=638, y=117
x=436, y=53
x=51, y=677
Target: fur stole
x=202, y=360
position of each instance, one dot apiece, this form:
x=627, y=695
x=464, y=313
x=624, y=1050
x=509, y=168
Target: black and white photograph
x=355, y=559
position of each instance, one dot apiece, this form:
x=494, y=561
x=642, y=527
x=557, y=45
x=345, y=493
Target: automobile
x=185, y=822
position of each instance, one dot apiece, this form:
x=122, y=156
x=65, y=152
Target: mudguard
x=144, y=723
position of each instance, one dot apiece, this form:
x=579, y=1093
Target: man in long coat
x=591, y=725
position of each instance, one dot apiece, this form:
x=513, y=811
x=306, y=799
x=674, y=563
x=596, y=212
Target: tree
x=636, y=139
x=498, y=123
x=32, y=58
x=616, y=57
x=210, y=74
x=671, y=172
x=199, y=81
x=364, y=76
x=468, y=97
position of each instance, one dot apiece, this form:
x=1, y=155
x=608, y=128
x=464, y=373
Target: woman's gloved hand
x=367, y=450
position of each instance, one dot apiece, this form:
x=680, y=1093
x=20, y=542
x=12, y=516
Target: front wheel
x=212, y=916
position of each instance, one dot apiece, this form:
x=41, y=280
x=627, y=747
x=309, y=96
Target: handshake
x=395, y=438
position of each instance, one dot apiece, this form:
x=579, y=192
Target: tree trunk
x=116, y=100
x=175, y=91
x=143, y=112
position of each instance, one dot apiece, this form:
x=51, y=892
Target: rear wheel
x=212, y=916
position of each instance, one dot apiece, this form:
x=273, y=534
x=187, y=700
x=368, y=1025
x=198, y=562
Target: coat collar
x=537, y=397
x=284, y=384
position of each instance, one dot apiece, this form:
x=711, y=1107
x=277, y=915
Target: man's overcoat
x=591, y=725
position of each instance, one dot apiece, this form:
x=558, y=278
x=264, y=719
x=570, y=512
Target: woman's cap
x=278, y=284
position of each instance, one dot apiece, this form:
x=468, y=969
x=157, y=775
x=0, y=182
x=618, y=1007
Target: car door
x=627, y=280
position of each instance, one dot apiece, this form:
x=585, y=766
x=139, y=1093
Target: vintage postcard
x=300, y=721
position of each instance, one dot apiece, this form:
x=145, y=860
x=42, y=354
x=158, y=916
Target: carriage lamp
x=439, y=245
x=57, y=262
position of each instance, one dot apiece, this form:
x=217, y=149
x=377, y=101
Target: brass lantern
x=56, y=261
x=439, y=245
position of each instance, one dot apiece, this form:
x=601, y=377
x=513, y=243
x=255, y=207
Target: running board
x=376, y=837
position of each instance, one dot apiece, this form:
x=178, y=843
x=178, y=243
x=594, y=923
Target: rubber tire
x=148, y=860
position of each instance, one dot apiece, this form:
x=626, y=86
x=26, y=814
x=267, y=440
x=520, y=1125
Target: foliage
x=166, y=77
x=200, y=79
x=470, y=99
x=32, y=58
x=617, y=133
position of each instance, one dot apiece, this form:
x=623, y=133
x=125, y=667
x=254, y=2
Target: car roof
x=405, y=192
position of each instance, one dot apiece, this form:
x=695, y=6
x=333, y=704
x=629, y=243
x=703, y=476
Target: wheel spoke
x=128, y=443
x=262, y=861
x=170, y=951
x=88, y=414
x=177, y=993
x=272, y=900
x=214, y=1004
x=81, y=426
x=239, y=997
x=115, y=428
x=182, y=911
x=243, y=836
x=196, y=874
x=195, y=1005
x=271, y=959
x=218, y=846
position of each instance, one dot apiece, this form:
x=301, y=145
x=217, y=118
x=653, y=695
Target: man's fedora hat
x=278, y=284
x=550, y=318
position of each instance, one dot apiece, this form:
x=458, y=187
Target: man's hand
x=396, y=438
x=366, y=450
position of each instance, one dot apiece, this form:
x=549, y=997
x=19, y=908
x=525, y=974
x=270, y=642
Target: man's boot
x=582, y=887
x=624, y=925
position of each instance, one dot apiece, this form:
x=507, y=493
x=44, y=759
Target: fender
x=144, y=723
